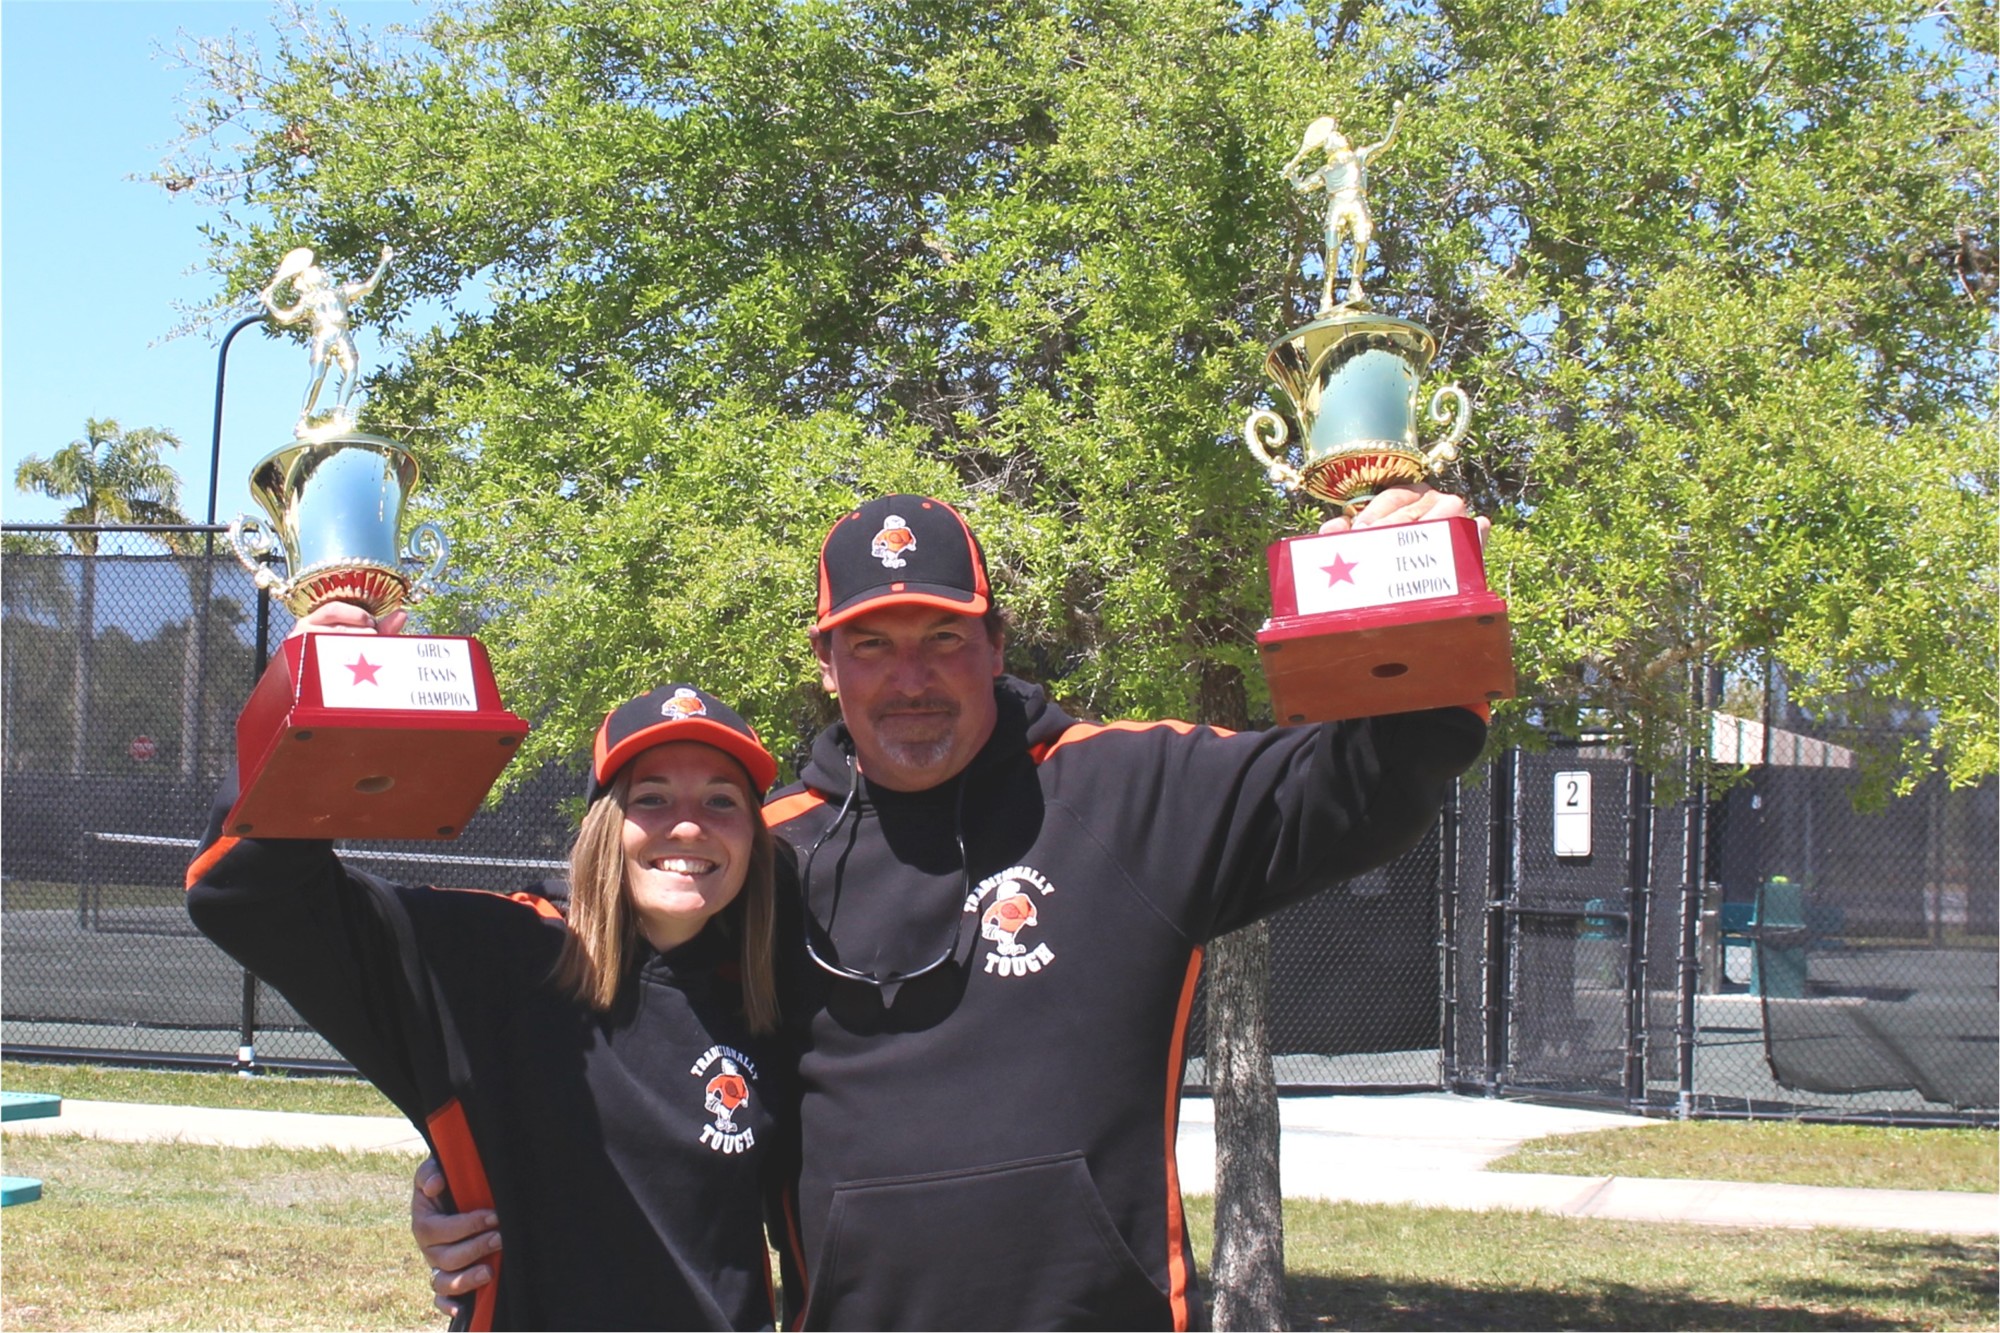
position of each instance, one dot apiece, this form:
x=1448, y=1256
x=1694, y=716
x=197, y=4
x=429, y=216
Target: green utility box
x=1600, y=944
x=1778, y=965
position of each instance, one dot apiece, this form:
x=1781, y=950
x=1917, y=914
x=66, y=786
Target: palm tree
x=197, y=562
x=114, y=476
x=35, y=598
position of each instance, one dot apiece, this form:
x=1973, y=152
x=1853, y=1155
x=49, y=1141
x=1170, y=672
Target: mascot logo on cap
x=725, y=1094
x=685, y=703
x=1017, y=893
x=892, y=541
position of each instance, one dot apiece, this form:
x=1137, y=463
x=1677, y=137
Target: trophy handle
x=256, y=548
x=1263, y=431
x=1446, y=450
x=427, y=543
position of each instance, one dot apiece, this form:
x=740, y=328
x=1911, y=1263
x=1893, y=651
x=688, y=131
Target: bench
x=25, y=1106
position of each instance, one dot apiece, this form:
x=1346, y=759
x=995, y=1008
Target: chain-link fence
x=1774, y=952
x=1562, y=933
x=115, y=743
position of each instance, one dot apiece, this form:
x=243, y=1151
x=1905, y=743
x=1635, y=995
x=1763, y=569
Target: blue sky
x=95, y=261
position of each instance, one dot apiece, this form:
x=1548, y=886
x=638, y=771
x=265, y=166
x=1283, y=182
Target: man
x=1006, y=910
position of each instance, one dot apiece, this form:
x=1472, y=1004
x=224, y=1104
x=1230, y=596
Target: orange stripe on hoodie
x=204, y=863
x=466, y=1175
x=788, y=808
x=1083, y=731
x=1177, y=1271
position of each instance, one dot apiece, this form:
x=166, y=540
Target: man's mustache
x=928, y=703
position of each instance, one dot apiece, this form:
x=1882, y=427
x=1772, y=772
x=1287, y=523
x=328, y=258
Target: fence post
x=1694, y=888
x=246, y=1040
x=1448, y=937
x=246, y=1037
x=1638, y=906
x=1500, y=881
x=1694, y=835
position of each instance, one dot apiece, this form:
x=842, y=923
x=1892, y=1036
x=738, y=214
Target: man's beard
x=919, y=755
x=920, y=751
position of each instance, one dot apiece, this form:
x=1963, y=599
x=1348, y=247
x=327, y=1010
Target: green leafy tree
x=111, y=475
x=1719, y=273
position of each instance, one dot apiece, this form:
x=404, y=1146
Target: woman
x=610, y=1085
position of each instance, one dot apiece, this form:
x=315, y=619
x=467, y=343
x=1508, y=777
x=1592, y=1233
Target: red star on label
x=364, y=670
x=1340, y=571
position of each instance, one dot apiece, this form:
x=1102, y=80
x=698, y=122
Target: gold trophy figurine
x=1344, y=179
x=334, y=494
x=330, y=306
x=1380, y=620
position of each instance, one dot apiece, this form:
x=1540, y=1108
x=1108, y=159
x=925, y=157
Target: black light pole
x=246, y=1048
x=208, y=561
x=215, y=432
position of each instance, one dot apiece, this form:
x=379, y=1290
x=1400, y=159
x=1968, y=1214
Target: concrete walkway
x=1431, y=1150
x=131, y=1122
x=1424, y=1149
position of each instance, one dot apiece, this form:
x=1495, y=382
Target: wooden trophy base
x=1384, y=620
x=366, y=736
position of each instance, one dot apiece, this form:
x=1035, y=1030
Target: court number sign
x=1573, y=814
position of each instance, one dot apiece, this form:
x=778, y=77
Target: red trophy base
x=1383, y=620
x=366, y=736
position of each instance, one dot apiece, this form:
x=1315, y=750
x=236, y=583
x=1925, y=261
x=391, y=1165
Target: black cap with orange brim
x=676, y=713
x=901, y=550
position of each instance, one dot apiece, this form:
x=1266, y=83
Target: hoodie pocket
x=1016, y=1245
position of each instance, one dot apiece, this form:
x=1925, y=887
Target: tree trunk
x=1247, y=1272
x=86, y=642
x=194, y=664
x=191, y=665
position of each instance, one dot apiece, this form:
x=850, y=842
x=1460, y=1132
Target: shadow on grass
x=1957, y=1290
x=1943, y=1273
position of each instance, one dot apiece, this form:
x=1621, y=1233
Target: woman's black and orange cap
x=676, y=712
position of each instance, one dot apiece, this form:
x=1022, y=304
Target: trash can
x=1778, y=966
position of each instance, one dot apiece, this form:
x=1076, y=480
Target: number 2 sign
x=1573, y=814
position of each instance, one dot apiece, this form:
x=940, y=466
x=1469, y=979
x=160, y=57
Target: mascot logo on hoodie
x=724, y=1095
x=1014, y=910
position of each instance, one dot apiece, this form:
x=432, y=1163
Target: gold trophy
x=1375, y=620
x=350, y=735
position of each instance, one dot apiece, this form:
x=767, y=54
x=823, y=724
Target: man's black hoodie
x=991, y=1143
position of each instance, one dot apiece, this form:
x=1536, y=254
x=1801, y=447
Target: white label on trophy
x=391, y=671
x=1341, y=571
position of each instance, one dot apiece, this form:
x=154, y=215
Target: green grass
x=265, y=1092
x=44, y=895
x=167, y=1236
x=1376, y=1266
x=1777, y=1152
